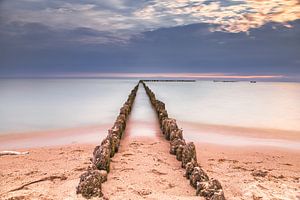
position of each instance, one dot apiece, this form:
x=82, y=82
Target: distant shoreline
x=168, y=80
x=150, y=80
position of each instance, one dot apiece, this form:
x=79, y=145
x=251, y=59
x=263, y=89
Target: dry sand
x=67, y=161
x=144, y=169
x=234, y=166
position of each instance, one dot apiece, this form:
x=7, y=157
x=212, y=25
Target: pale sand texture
x=233, y=167
x=69, y=161
x=143, y=169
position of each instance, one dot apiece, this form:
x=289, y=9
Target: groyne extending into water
x=91, y=180
x=185, y=152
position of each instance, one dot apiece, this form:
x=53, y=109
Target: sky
x=148, y=38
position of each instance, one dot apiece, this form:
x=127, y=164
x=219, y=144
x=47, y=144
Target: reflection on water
x=143, y=120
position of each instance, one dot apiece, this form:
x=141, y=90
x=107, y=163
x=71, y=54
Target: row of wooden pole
x=185, y=152
x=91, y=180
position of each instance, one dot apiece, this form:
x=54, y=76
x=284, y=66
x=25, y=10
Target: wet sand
x=203, y=133
x=241, y=131
x=90, y=134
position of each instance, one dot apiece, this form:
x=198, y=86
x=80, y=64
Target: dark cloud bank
x=34, y=49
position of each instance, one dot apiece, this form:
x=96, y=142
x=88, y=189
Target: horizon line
x=155, y=75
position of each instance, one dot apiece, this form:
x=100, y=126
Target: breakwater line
x=168, y=80
x=91, y=180
x=185, y=152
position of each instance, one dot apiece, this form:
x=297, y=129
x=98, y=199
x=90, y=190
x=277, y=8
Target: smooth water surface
x=255, y=105
x=50, y=104
x=46, y=104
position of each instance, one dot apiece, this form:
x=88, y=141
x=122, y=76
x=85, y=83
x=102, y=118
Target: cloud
x=234, y=17
x=183, y=49
x=124, y=18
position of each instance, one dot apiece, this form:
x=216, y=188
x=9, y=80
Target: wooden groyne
x=185, y=152
x=91, y=180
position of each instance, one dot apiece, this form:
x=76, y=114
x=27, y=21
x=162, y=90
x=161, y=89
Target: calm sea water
x=43, y=104
x=253, y=105
x=46, y=104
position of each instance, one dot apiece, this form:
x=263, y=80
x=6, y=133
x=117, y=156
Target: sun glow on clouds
x=126, y=18
x=236, y=17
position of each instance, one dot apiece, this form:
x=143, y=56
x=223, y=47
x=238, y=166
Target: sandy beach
x=144, y=169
